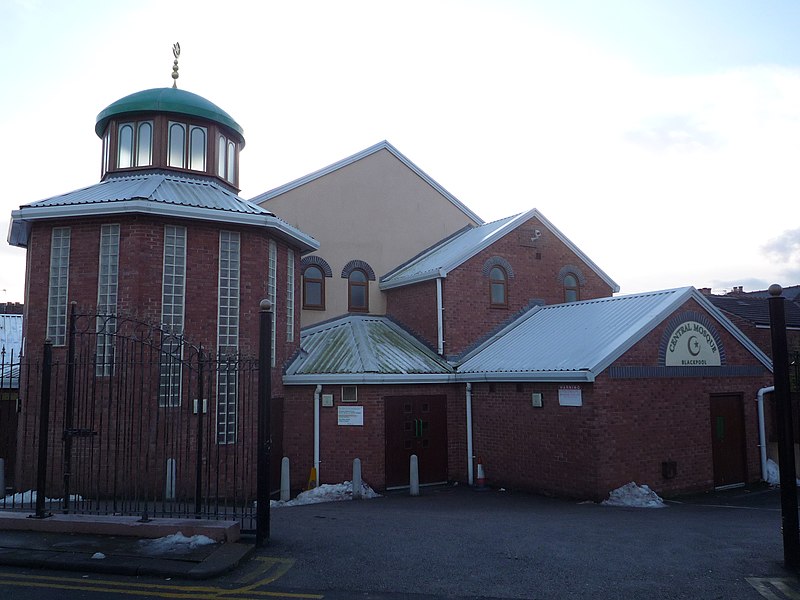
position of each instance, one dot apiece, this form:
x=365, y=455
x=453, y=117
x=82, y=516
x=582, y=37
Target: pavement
x=133, y=555
x=114, y=545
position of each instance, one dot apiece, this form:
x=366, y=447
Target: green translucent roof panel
x=166, y=100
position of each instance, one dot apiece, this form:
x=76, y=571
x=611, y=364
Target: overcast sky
x=661, y=136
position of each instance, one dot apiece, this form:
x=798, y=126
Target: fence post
x=263, y=442
x=44, y=420
x=69, y=404
x=788, y=477
x=198, y=469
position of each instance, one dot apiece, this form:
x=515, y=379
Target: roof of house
x=577, y=341
x=455, y=250
x=364, y=349
x=156, y=193
x=571, y=342
x=384, y=145
x=754, y=306
x=10, y=347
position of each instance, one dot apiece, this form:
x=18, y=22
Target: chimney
x=705, y=291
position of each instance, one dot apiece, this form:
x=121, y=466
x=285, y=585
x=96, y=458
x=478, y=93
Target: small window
x=571, y=289
x=197, y=149
x=497, y=287
x=125, y=146
x=177, y=145
x=349, y=393
x=313, y=288
x=144, y=144
x=358, y=291
x=231, y=175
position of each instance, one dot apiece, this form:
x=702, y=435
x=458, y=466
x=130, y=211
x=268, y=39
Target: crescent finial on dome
x=176, y=52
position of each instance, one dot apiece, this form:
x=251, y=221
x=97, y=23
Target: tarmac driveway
x=458, y=542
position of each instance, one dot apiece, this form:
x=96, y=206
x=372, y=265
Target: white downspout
x=317, y=392
x=469, y=432
x=439, y=317
x=762, y=433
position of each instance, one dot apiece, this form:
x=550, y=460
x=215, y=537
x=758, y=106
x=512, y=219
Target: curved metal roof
x=166, y=100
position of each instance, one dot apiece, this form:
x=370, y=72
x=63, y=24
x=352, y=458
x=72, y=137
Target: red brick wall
x=415, y=307
x=468, y=313
x=339, y=445
x=140, y=289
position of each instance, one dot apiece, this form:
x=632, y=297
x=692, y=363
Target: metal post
x=44, y=420
x=198, y=467
x=69, y=406
x=264, y=405
x=780, y=372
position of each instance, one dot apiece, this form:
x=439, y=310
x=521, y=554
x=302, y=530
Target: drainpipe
x=440, y=317
x=469, y=432
x=317, y=392
x=762, y=434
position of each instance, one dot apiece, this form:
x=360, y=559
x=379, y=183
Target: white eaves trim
x=19, y=228
x=528, y=376
x=368, y=378
x=384, y=145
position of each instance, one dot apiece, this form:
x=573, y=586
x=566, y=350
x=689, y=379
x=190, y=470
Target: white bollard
x=414, y=476
x=356, y=479
x=169, y=488
x=285, y=479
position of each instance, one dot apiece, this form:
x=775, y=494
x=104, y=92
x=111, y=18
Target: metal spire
x=176, y=51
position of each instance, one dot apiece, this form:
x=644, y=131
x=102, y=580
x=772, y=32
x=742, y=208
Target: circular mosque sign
x=691, y=344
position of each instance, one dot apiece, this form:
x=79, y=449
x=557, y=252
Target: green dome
x=167, y=100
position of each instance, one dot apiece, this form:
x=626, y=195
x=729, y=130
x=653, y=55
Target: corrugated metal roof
x=445, y=256
x=10, y=347
x=436, y=261
x=580, y=339
x=155, y=193
x=156, y=187
x=368, y=347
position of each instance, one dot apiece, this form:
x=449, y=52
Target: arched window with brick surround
x=358, y=275
x=314, y=270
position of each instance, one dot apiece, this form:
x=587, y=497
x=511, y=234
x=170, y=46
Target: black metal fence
x=131, y=419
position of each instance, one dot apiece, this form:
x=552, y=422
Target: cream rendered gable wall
x=375, y=209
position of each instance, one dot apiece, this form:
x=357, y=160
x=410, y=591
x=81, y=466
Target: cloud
x=673, y=132
x=785, y=249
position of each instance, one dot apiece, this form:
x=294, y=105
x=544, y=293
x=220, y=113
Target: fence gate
x=137, y=421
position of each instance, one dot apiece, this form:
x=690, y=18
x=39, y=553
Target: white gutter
x=469, y=433
x=762, y=434
x=440, y=317
x=317, y=392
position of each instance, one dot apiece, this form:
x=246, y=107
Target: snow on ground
x=175, y=543
x=630, y=494
x=327, y=492
x=29, y=497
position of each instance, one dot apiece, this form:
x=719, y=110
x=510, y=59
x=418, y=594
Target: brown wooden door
x=727, y=440
x=416, y=425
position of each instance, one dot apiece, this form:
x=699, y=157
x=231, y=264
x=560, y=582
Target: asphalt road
x=460, y=543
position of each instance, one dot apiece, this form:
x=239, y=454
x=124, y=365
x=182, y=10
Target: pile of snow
x=773, y=473
x=29, y=497
x=630, y=494
x=175, y=543
x=773, y=476
x=327, y=492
